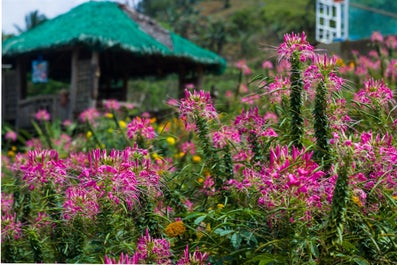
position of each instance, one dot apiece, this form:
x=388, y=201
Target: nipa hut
x=97, y=47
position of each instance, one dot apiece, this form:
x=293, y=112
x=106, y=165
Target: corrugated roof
x=105, y=25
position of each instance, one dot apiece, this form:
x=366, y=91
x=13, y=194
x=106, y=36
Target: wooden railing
x=28, y=107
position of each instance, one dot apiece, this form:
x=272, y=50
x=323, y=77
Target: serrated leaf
x=236, y=240
x=223, y=232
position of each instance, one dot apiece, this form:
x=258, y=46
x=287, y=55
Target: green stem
x=296, y=102
x=321, y=127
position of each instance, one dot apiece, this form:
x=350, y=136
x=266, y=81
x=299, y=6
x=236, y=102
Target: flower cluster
x=42, y=115
x=197, y=104
x=295, y=44
x=140, y=126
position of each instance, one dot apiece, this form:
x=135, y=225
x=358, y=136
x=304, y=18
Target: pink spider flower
x=7, y=201
x=11, y=136
x=140, y=126
x=152, y=250
x=123, y=259
x=89, y=115
x=11, y=229
x=197, y=104
x=39, y=167
x=250, y=122
x=295, y=45
x=376, y=36
x=42, y=115
x=80, y=201
x=111, y=104
x=267, y=65
x=324, y=70
x=242, y=65
x=277, y=89
x=224, y=136
x=391, y=42
x=196, y=257
x=374, y=91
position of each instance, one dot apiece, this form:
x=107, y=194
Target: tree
x=32, y=20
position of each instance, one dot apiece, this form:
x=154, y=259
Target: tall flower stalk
x=322, y=75
x=297, y=50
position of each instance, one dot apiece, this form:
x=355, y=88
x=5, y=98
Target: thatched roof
x=104, y=26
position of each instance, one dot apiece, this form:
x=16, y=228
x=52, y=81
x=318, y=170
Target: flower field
x=298, y=165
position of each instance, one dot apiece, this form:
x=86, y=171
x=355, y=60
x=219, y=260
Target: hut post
x=96, y=73
x=125, y=88
x=21, y=85
x=74, y=82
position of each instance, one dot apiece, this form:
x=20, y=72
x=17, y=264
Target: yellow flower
x=340, y=62
x=13, y=148
x=122, y=124
x=109, y=115
x=110, y=130
x=220, y=205
x=11, y=153
x=395, y=197
x=175, y=229
x=351, y=64
x=153, y=120
x=196, y=159
x=357, y=201
x=89, y=134
x=170, y=140
x=155, y=155
x=200, y=180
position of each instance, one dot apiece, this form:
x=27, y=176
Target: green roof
x=108, y=25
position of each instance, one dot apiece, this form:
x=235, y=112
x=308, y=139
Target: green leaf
x=360, y=261
x=223, y=232
x=236, y=240
x=199, y=219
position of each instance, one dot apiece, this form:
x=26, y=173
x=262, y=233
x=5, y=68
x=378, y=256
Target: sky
x=14, y=11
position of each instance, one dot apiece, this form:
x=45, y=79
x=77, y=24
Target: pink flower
x=376, y=36
x=295, y=44
x=196, y=257
x=89, y=115
x=11, y=135
x=42, y=115
x=10, y=227
x=80, y=201
x=112, y=104
x=242, y=65
x=223, y=136
x=152, y=250
x=267, y=65
x=123, y=259
x=140, y=126
x=374, y=91
x=197, y=104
